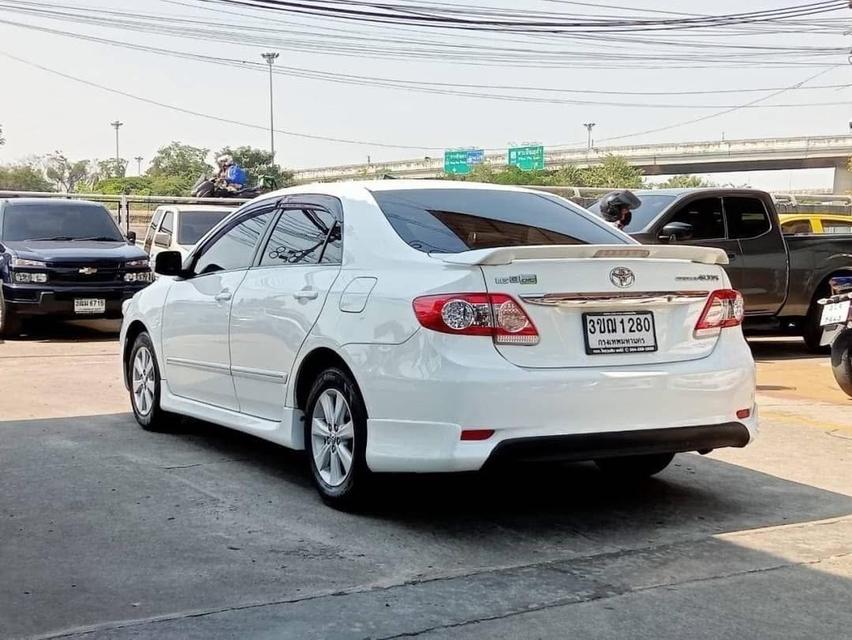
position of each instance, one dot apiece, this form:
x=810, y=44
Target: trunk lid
x=599, y=306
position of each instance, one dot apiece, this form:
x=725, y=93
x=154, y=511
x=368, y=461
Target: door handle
x=306, y=294
x=222, y=296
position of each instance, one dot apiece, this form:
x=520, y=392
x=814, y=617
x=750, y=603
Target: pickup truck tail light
x=477, y=314
x=724, y=308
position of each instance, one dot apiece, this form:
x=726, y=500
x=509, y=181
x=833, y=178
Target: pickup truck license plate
x=619, y=332
x=835, y=313
x=89, y=305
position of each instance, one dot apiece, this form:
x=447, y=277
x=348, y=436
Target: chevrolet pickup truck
x=781, y=277
x=64, y=259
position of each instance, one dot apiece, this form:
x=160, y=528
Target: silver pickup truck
x=782, y=278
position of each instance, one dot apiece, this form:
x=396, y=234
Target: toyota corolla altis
x=408, y=326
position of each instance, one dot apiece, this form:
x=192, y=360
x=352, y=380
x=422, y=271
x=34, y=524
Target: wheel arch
x=136, y=327
x=314, y=362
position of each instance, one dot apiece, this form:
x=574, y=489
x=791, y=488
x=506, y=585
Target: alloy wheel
x=332, y=437
x=143, y=381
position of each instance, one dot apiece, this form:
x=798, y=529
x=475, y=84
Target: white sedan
x=408, y=326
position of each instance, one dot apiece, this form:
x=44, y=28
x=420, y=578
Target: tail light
x=724, y=308
x=477, y=314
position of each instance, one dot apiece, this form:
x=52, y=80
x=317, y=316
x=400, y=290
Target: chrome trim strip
x=195, y=364
x=614, y=298
x=260, y=374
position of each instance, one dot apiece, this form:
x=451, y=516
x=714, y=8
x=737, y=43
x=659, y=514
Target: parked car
x=781, y=278
x=179, y=227
x=409, y=326
x=805, y=223
x=64, y=259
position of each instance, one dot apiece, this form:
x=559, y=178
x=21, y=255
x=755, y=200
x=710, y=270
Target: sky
x=42, y=112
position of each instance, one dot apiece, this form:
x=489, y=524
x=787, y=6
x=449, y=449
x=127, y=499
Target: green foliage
x=26, y=176
x=177, y=160
x=64, y=173
x=613, y=171
x=142, y=186
x=112, y=168
x=258, y=163
x=686, y=182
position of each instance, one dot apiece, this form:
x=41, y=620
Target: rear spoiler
x=506, y=255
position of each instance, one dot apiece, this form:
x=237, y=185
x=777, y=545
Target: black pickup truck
x=781, y=277
x=64, y=259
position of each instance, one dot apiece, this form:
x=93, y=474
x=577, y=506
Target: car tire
x=841, y=366
x=336, y=440
x=811, y=329
x=635, y=467
x=143, y=374
x=10, y=323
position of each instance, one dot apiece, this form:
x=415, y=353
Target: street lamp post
x=589, y=126
x=138, y=165
x=270, y=58
x=116, y=125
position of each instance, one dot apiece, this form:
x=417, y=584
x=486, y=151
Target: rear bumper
x=421, y=395
x=594, y=446
x=59, y=302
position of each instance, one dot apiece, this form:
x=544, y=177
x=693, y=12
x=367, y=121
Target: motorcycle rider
x=617, y=208
x=231, y=175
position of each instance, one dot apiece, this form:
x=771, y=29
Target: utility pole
x=589, y=126
x=138, y=165
x=270, y=58
x=116, y=125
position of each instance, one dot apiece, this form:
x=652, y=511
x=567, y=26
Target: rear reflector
x=742, y=414
x=477, y=314
x=724, y=308
x=476, y=434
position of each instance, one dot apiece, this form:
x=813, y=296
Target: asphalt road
x=107, y=531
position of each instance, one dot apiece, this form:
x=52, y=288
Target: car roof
x=51, y=202
x=682, y=191
x=834, y=217
x=182, y=208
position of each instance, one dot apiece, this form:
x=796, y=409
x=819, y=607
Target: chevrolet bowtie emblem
x=87, y=271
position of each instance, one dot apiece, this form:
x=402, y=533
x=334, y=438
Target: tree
x=182, y=161
x=64, y=173
x=686, y=182
x=258, y=163
x=112, y=168
x=25, y=176
x=614, y=172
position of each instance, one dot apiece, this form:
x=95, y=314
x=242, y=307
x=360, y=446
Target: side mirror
x=168, y=263
x=676, y=232
x=131, y=237
x=163, y=239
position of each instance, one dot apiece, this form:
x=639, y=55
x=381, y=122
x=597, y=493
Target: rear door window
x=705, y=217
x=456, y=220
x=303, y=236
x=794, y=227
x=746, y=217
x=836, y=226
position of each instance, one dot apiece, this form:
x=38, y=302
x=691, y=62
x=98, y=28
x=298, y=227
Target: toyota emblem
x=622, y=277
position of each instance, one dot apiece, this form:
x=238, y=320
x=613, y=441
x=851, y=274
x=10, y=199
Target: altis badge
x=524, y=278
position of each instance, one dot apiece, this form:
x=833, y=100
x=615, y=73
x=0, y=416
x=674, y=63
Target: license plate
x=89, y=305
x=835, y=313
x=619, y=332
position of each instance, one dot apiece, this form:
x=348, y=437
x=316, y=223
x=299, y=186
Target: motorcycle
x=206, y=187
x=836, y=322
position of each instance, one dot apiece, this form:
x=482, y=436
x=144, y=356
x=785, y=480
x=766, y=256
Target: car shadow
x=61, y=331
x=767, y=349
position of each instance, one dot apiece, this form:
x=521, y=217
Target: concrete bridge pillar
x=842, y=178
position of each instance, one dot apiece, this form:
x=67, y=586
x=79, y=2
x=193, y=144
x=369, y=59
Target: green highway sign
x=527, y=158
x=460, y=162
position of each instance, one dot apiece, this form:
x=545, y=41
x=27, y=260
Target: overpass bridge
x=655, y=159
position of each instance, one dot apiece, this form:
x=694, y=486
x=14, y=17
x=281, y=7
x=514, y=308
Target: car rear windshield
x=194, y=224
x=456, y=220
x=652, y=205
x=71, y=221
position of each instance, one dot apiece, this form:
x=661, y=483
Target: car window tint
x=796, y=227
x=235, y=248
x=192, y=225
x=299, y=237
x=44, y=221
x=705, y=217
x=834, y=226
x=455, y=220
x=168, y=225
x=747, y=217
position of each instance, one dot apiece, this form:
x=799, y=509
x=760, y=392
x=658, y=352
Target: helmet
x=225, y=160
x=612, y=204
